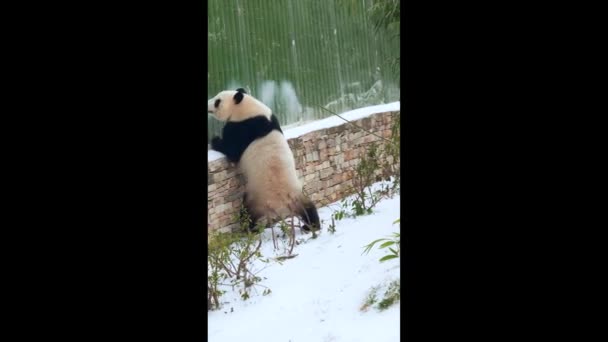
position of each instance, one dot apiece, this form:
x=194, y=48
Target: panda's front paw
x=216, y=144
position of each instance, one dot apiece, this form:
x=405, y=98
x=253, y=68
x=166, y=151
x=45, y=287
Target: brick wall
x=324, y=160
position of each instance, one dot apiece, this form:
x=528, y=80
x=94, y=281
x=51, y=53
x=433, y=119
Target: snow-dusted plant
x=391, y=155
x=365, y=174
x=288, y=231
x=391, y=296
x=231, y=257
x=372, y=298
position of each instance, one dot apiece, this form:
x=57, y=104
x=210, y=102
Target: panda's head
x=236, y=105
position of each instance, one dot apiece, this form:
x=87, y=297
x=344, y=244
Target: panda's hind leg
x=309, y=215
x=249, y=215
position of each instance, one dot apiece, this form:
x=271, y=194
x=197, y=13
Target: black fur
x=275, y=123
x=248, y=213
x=307, y=213
x=238, y=135
x=310, y=216
x=238, y=97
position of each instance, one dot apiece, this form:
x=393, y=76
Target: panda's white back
x=271, y=179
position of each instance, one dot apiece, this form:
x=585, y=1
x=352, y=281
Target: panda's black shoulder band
x=274, y=123
x=238, y=135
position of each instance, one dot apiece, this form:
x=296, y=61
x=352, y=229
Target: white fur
x=272, y=185
x=229, y=111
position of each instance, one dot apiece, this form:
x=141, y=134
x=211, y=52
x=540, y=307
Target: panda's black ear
x=241, y=90
x=238, y=97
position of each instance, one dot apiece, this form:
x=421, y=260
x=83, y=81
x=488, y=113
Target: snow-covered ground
x=317, y=296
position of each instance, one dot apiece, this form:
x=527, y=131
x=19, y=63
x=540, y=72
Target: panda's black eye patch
x=217, y=103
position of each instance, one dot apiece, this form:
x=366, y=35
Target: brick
x=356, y=135
x=339, y=159
x=314, y=185
x=326, y=173
x=323, y=154
x=219, y=176
x=220, y=209
x=311, y=176
x=214, y=166
x=233, y=196
x=346, y=176
x=368, y=138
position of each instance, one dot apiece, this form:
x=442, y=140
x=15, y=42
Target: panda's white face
x=219, y=105
x=231, y=105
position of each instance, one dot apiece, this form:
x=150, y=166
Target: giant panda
x=252, y=138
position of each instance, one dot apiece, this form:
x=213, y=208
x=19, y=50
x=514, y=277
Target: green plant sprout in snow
x=394, y=241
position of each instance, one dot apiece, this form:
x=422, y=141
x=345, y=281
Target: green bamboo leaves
x=393, y=241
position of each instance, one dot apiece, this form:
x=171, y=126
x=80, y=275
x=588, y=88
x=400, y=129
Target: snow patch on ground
x=317, y=295
x=327, y=123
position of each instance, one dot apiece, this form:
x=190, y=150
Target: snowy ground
x=317, y=296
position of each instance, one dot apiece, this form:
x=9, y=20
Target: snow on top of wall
x=329, y=122
x=333, y=120
x=214, y=155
